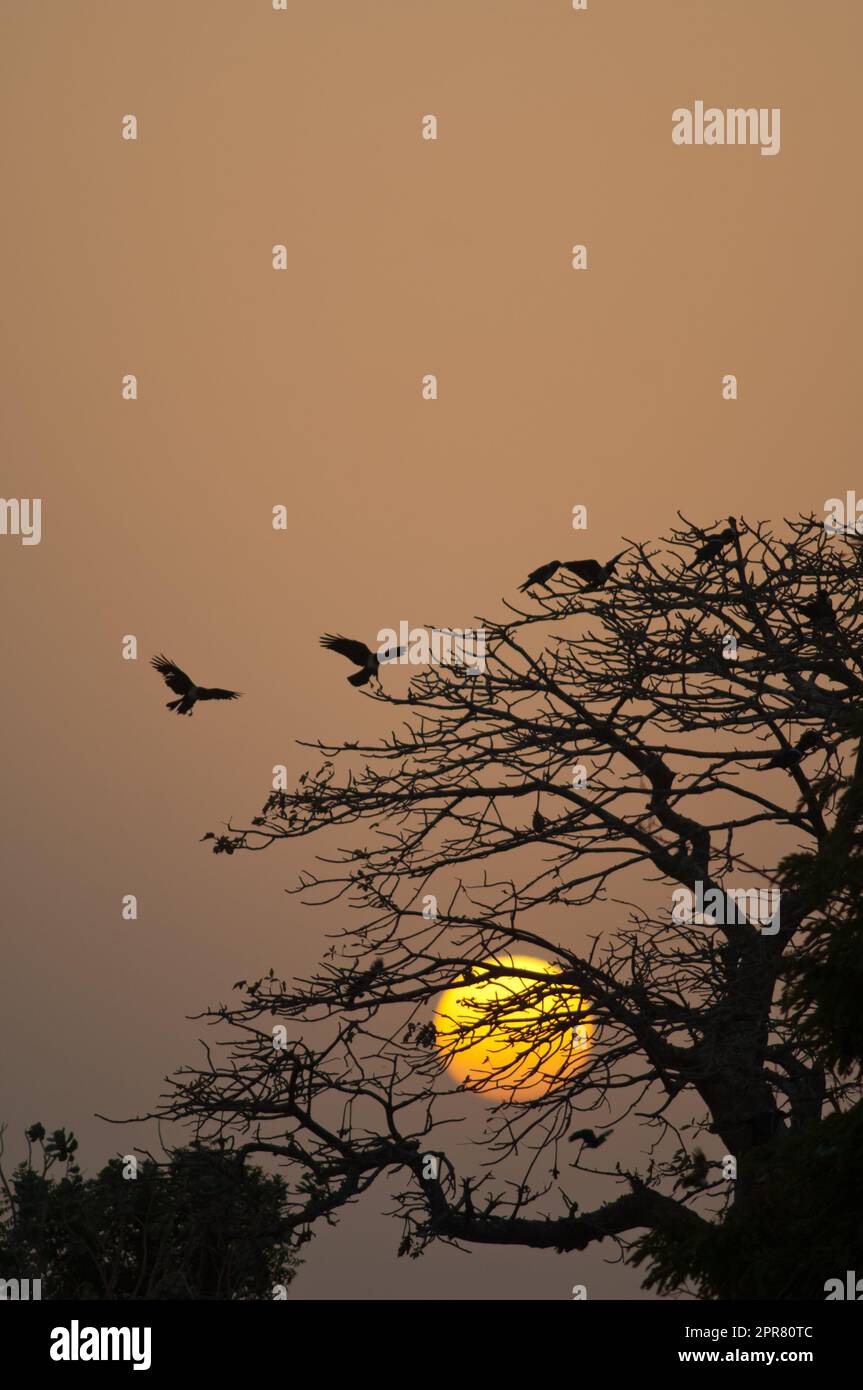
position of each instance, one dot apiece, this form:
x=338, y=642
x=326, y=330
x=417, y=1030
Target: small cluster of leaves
x=423, y=1034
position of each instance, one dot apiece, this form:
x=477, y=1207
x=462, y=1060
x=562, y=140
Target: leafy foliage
x=824, y=979
x=204, y=1225
x=800, y=1223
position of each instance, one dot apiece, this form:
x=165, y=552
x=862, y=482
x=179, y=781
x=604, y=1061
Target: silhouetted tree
x=206, y=1224
x=716, y=710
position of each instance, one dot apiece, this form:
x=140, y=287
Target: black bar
x=279, y=1337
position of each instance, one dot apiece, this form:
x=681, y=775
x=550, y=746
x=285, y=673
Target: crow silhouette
x=361, y=655
x=589, y=1137
x=185, y=687
x=714, y=545
x=539, y=821
x=540, y=576
x=698, y=1172
x=592, y=572
x=819, y=611
x=790, y=757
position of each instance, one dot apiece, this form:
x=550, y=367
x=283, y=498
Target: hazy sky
x=257, y=388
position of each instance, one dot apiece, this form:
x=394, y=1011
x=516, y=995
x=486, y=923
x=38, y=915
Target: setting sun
x=523, y=1049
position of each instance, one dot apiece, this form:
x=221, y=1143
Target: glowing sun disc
x=525, y=1051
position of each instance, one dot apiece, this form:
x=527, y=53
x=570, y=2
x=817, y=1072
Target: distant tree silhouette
x=206, y=1224
x=674, y=685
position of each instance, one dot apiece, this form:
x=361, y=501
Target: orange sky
x=303, y=388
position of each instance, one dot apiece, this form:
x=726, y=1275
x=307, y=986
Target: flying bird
x=589, y=1137
x=714, y=545
x=592, y=572
x=540, y=576
x=361, y=655
x=185, y=687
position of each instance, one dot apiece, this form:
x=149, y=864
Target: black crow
x=714, y=545
x=360, y=655
x=592, y=572
x=539, y=821
x=698, y=1173
x=790, y=757
x=819, y=611
x=185, y=687
x=540, y=576
x=589, y=1137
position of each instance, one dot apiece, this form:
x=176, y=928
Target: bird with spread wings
x=185, y=687
x=361, y=655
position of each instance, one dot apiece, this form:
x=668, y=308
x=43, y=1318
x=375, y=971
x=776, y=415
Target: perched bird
x=698, y=1173
x=185, y=687
x=790, y=757
x=819, y=611
x=539, y=821
x=589, y=1137
x=540, y=576
x=592, y=572
x=360, y=982
x=714, y=545
x=361, y=655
